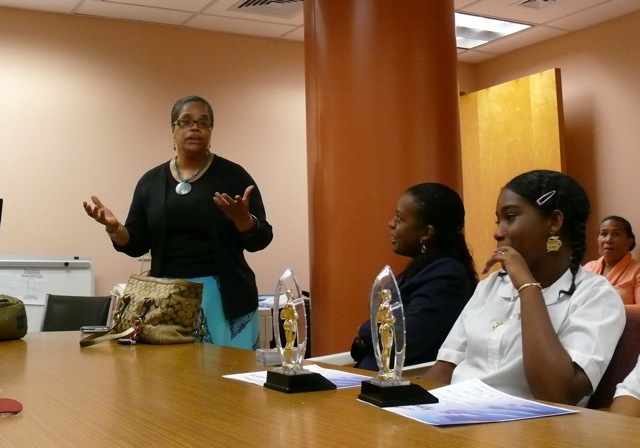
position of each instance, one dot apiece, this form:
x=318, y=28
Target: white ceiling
x=550, y=18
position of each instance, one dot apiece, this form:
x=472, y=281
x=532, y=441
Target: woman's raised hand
x=101, y=214
x=236, y=208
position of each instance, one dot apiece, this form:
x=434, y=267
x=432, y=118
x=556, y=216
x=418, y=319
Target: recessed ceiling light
x=473, y=31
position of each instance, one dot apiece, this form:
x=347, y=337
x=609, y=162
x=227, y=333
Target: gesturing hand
x=101, y=213
x=236, y=208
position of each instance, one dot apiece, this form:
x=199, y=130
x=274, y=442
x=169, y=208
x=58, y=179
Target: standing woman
x=197, y=214
x=542, y=327
x=439, y=278
x=615, y=243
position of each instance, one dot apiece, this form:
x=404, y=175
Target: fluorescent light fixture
x=473, y=31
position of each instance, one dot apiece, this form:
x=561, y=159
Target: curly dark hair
x=177, y=107
x=569, y=197
x=441, y=207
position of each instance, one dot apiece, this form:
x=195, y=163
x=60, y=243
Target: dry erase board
x=31, y=278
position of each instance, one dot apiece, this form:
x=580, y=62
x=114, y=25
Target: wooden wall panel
x=506, y=130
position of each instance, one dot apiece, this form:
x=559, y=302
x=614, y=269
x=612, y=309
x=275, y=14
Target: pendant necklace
x=184, y=186
x=508, y=315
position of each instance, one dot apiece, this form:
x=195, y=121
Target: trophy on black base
x=388, y=335
x=291, y=377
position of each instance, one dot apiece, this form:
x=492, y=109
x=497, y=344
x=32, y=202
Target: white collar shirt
x=631, y=384
x=588, y=323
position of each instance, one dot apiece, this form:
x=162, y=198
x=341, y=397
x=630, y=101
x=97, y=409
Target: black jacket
x=146, y=224
x=432, y=300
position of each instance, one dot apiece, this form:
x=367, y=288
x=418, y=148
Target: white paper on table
x=339, y=378
x=472, y=401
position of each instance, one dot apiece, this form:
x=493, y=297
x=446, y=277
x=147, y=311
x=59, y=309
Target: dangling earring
x=423, y=245
x=553, y=243
x=175, y=145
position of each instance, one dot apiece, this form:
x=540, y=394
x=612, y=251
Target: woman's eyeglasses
x=203, y=123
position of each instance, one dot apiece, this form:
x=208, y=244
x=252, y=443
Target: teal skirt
x=242, y=332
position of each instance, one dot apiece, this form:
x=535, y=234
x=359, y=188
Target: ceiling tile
x=457, y=4
x=232, y=25
x=512, y=10
x=521, y=39
x=592, y=16
x=133, y=12
x=285, y=13
x=62, y=6
x=177, y=5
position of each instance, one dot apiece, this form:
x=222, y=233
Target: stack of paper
x=268, y=357
x=267, y=301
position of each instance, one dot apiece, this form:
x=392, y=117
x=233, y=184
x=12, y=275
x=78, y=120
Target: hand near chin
x=512, y=262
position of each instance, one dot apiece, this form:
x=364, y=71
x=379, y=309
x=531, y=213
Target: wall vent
x=537, y=4
x=264, y=2
x=280, y=9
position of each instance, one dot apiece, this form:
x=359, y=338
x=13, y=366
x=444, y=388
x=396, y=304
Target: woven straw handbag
x=155, y=311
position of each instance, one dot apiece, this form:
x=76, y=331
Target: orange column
x=382, y=115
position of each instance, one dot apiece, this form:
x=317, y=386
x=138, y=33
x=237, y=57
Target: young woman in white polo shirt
x=541, y=327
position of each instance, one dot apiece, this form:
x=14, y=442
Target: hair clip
x=545, y=197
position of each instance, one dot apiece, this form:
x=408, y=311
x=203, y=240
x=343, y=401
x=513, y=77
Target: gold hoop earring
x=553, y=244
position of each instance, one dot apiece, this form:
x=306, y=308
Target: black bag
x=13, y=318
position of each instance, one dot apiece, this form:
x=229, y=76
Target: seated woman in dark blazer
x=439, y=279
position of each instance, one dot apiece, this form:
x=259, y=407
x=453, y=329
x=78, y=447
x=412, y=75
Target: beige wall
x=600, y=69
x=84, y=109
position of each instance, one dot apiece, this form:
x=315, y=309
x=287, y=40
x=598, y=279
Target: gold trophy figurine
x=386, y=329
x=290, y=317
x=386, y=315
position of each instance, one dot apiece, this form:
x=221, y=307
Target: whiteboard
x=31, y=278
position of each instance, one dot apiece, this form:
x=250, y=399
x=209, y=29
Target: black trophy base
x=299, y=382
x=401, y=395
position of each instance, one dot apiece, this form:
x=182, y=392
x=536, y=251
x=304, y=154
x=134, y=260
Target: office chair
x=69, y=313
x=623, y=361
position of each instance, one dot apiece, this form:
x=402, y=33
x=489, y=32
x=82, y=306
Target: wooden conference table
x=113, y=395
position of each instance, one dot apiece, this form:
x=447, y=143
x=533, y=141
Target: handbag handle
x=97, y=338
x=108, y=335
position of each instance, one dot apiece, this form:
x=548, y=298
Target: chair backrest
x=69, y=313
x=623, y=361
